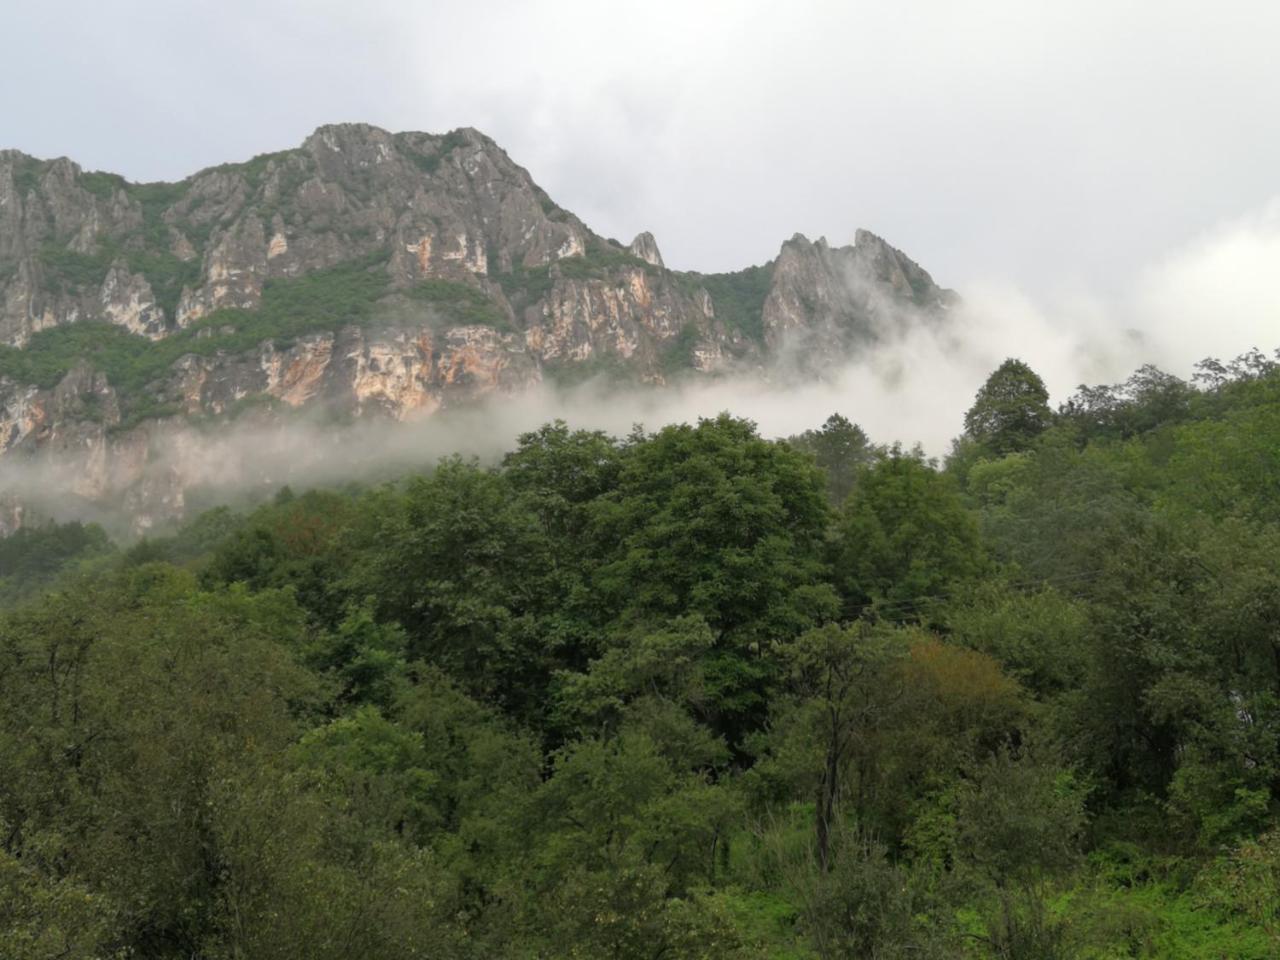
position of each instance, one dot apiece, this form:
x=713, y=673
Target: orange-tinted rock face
x=297, y=377
x=394, y=375
x=630, y=318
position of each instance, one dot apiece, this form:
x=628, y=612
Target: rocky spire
x=646, y=248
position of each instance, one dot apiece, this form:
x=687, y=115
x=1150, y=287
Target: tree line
x=684, y=694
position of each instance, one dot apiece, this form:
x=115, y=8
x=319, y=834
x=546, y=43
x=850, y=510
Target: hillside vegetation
x=684, y=694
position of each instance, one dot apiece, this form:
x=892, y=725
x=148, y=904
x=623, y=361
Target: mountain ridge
x=373, y=274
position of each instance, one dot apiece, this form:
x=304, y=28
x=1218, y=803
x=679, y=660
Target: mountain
x=367, y=273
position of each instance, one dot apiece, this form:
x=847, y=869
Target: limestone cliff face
x=632, y=319
x=62, y=439
x=399, y=372
x=469, y=282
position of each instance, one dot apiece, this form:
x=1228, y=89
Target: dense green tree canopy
x=1010, y=410
x=840, y=448
x=904, y=535
x=675, y=696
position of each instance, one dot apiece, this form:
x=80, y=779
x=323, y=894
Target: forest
x=683, y=694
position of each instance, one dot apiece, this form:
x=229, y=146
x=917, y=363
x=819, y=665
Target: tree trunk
x=826, y=807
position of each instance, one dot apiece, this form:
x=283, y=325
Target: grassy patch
x=321, y=301
x=766, y=920
x=526, y=285
x=460, y=303
x=146, y=252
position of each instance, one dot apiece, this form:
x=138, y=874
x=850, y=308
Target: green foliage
x=112, y=790
x=526, y=285
x=147, y=252
x=33, y=556
x=26, y=174
x=601, y=700
x=560, y=472
x=714, y=521
x=318, y=302
x=1146, y=401
x=1019, y=824
x=738, y=298
x=904, y=538
x=469, y=573
x=1038, y=636
x=677, y=354
x=364, y=656
x=1228, y=467
x=601, y=260
x=840, y=449
x=102, y=185
x=295, y=542
x=252, y=170
x=460, y=303
x=430, y=163
x=1246, y=884
x=68, y=271
x=44, y=918
x=168, y=276
x=867, y=905
x=1010, y=410
x=841, y=678
x=196, y=539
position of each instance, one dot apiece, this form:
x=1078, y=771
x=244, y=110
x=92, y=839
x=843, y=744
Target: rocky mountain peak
x=368, y=273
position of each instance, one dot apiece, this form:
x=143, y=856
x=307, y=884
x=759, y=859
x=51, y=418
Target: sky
x=1078, y=171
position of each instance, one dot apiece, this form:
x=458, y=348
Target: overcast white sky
x=1094, y=164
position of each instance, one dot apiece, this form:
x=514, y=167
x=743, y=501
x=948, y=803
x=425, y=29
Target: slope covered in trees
x=686, y=694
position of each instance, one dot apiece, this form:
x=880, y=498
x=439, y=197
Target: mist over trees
x=683, y=694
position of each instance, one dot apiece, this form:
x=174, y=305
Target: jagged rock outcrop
x=128, y=301
x=365, y=273
x=646, y=248
x=827, y=301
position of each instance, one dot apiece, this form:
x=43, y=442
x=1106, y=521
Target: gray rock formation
x=370, y=274
x=828, y=301
x=646, y=248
